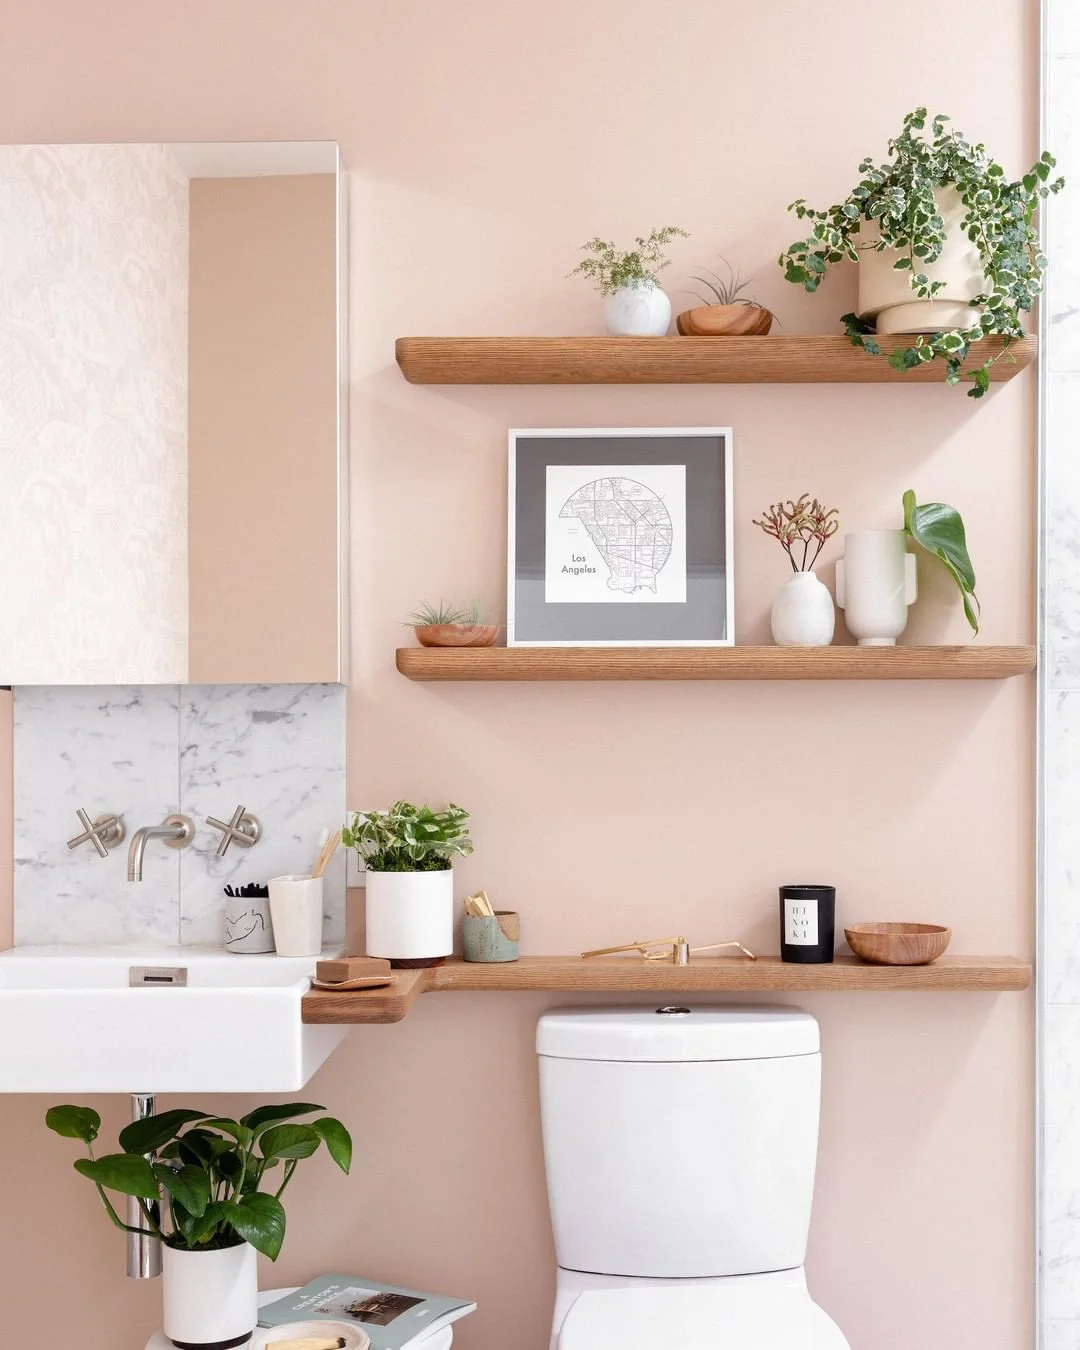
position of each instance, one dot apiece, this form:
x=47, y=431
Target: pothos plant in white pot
x=210, y=1189
x=634, y=304
x=947, y=247
x=803, y=614
x=408, y=852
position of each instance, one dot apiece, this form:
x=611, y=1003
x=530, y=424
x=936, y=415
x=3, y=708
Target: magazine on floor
x=393, y=1317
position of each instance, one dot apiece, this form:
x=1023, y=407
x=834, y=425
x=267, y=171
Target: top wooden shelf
x=676, y=360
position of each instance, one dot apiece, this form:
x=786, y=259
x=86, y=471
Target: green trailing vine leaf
x=897, y=197
x=74, y=1122
x=127, y=1173
x=260, y=1220
x=939, y=529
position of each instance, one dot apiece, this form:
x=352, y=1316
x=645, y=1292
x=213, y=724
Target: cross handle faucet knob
x=243, y=829
x=104, y=832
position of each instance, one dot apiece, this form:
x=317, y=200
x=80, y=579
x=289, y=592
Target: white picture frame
x=703, y=556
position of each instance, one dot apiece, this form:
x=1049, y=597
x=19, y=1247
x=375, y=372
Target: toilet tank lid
x=672, y=1033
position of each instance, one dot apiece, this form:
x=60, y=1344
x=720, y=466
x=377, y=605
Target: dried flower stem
x=802, y=529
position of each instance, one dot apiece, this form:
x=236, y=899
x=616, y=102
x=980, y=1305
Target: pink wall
x=487, y=141
x=263, y=442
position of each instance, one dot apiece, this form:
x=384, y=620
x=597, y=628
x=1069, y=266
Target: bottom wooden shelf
x=715, y=975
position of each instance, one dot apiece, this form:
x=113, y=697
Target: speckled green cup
x=492, y=939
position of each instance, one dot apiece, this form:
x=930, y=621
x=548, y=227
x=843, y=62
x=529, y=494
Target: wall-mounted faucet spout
x=175, y=831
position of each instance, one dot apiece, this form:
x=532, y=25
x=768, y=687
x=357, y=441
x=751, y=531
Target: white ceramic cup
x=296, y=910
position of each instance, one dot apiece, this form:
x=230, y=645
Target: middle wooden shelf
x=973, y=662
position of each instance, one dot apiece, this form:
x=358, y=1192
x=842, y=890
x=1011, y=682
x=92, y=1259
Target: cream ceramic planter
x=803, y=613
x=410, y=915
x=210, y=1299
x=886, y=297
x=875, y=583
x=637, y=310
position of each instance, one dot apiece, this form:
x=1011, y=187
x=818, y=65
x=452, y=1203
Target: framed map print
x=620, y=538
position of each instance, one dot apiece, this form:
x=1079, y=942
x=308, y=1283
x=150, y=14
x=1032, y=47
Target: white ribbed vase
x=802, y=613
x=875, y=583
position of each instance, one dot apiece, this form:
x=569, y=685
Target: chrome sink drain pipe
x=143, y=1252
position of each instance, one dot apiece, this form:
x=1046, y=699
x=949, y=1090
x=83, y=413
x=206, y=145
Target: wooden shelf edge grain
x=618, y=975
x=973, y=662
x=814, y=359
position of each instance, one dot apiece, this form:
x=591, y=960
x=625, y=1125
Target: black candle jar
x=807, y=924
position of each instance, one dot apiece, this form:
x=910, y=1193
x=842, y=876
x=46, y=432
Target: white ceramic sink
x=70, y=1021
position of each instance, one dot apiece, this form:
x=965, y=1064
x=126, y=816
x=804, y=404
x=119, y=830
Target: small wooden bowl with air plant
x=726, y=314
x=444, y=625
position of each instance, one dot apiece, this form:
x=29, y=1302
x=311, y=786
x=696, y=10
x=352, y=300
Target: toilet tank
x=679, y=1142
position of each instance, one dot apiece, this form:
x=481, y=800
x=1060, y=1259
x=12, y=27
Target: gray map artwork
x=630, y=526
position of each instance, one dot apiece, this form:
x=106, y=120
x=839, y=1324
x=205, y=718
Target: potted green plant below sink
x=409, y=905
x=210, y=1188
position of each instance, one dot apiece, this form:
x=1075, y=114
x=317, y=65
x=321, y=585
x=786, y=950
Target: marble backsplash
x=143, y=752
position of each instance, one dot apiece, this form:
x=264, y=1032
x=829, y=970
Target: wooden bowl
x=724, y=321
x=898, y=944
x=456, y=634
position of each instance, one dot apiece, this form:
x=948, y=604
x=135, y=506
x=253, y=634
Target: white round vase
x=410, y=915
x=875, y=583
x=640, y=309
x=886, y=297
x=802, y=613
x=210, y=1299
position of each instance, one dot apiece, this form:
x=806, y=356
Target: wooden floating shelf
x=620, y=975
x=715, y=663
x=678, y=360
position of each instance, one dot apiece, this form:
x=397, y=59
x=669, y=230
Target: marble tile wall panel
x=108, y=749
x=145, y=752
x=1059, y=1010
x=280, y=751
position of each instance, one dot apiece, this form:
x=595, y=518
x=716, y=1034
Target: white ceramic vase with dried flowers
x=803, y=614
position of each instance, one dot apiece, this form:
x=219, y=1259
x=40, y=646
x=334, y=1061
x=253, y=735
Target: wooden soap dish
x=358, y=982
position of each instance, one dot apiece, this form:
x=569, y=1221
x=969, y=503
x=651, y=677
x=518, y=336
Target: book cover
x=392, y=1316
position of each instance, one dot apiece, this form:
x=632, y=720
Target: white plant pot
x=211, y=1299
x=410, y=915
x=803, y=614
x=885, y=295
x=875, y=583
x=637, y=310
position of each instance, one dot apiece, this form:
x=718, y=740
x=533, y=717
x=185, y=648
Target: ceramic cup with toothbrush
x=296, y=905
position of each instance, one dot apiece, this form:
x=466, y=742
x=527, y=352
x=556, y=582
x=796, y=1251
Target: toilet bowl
x=680, y=1149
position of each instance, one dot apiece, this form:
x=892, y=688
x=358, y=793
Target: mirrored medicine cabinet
x=172, y=416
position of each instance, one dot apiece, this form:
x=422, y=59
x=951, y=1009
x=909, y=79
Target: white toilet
x=680, y=1147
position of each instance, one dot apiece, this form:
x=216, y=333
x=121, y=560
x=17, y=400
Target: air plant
x=724, y=291
x=802, y=529
x=441, y=614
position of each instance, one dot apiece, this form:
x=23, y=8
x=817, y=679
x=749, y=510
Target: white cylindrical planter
x=410, y=915
x=875, y=583
x=211, y=1299
x=886, y=297
x=802, y=613
x=296, y=912
x=640, y=309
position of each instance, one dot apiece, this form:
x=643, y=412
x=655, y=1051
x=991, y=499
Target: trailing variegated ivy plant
x=898, y=197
